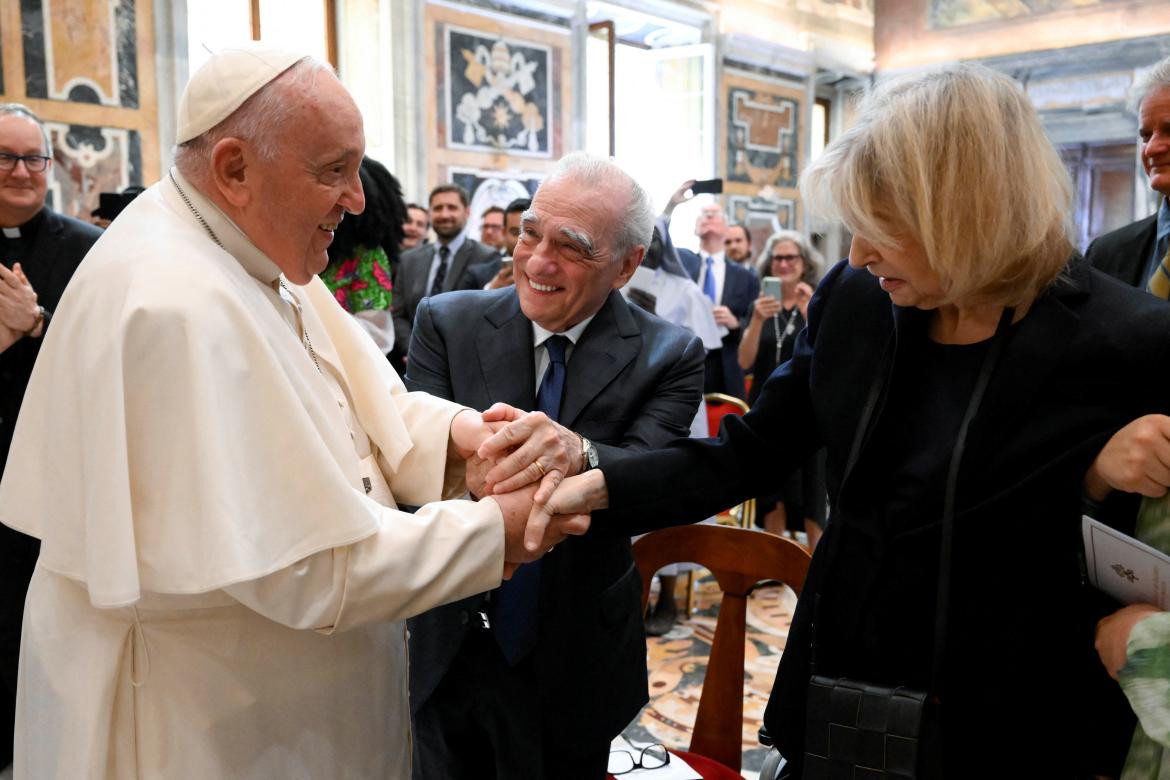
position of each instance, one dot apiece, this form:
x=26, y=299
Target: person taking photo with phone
x=788, y=269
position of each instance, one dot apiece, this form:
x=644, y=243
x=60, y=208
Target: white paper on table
x=1128, y=570
x=677, y=769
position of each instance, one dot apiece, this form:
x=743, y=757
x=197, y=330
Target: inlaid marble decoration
x=81, y=51
x=498, y=93
x=491, y=188
x=953, y=13
x=762, y=134
x=763, y=215
x=88, y=161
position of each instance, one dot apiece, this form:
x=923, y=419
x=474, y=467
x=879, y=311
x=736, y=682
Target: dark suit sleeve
x=669, y=409
x=480, y=273
x=691, y=479
x=399, y=303
x=426, y=367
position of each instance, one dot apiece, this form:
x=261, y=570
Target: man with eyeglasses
x=39, y=251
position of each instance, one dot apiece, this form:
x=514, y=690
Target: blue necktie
x=515, y=604
x=709, y=280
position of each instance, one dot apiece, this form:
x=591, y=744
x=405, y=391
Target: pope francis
x=211, y=452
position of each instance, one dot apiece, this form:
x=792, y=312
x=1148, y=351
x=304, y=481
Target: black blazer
x=410, y=281
x=1125, y=253
x=633, y=381
x=1020, y=661
x=741, y=287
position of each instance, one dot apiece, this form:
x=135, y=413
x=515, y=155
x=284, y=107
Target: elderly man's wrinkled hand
x=1135, y=460
x=516, y=508
x=531, y=448
x=477, y=469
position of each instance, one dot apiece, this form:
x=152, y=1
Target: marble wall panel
x=763, y=215
x=82, y=51
x=89, y=160
x=498, y=93
x=86, y=67
x=761, y=137
x=497, y=96
x=954, y=13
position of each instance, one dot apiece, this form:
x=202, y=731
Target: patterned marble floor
x=678, y=661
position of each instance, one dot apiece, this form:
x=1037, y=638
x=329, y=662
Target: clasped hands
x=518, y=459
x=18, y=306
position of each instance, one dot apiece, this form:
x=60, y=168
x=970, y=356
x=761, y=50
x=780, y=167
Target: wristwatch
x=588, y=455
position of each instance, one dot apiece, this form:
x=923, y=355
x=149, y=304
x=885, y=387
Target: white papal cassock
x=219, y=593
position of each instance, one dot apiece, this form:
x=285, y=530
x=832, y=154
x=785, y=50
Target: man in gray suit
x=535, y=679
x=455, y=261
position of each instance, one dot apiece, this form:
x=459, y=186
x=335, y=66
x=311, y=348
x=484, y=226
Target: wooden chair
x=739, y=559
x=719, y=406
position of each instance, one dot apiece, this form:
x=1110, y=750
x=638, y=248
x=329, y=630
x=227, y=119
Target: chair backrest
x=718, y=406
x=739, y=559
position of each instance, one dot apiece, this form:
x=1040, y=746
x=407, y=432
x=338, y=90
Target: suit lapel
x=606, y=347
x=418, y=284
x=507, y=334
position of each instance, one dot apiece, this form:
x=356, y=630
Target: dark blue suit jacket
x=1020, y=651
x=632, y=381
x=741, y=287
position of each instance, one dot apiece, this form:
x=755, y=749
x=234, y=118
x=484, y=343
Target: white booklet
x=1123, y=567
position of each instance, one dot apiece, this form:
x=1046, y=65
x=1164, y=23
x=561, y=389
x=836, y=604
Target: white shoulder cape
x=174, y=437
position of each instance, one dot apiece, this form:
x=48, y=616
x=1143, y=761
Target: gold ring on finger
x=541, y=467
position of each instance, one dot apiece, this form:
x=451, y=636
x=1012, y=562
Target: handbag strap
x=942, y=600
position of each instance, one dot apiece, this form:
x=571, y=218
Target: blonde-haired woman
x=976, y=402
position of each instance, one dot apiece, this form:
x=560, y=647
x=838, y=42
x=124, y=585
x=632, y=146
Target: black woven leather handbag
x=861, y=731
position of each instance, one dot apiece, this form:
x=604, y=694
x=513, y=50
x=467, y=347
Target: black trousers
x=483, y=721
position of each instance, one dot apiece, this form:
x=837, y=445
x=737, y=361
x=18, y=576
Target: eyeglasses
x=35, y=163
x=651, y=757
x=786, y=258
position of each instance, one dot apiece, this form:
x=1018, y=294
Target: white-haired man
x=211, y=454
x=534, y=680
x=1137, y=254
x=731, y=289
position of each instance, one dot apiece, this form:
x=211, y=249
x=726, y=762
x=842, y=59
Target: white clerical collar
x=12, y=232
x=573, y=334
x=234, y=241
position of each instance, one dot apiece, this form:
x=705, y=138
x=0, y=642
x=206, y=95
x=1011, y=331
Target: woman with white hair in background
x=963, y=374
x=789, y=268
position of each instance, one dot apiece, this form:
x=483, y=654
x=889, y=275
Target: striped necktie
x=1159, y=283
